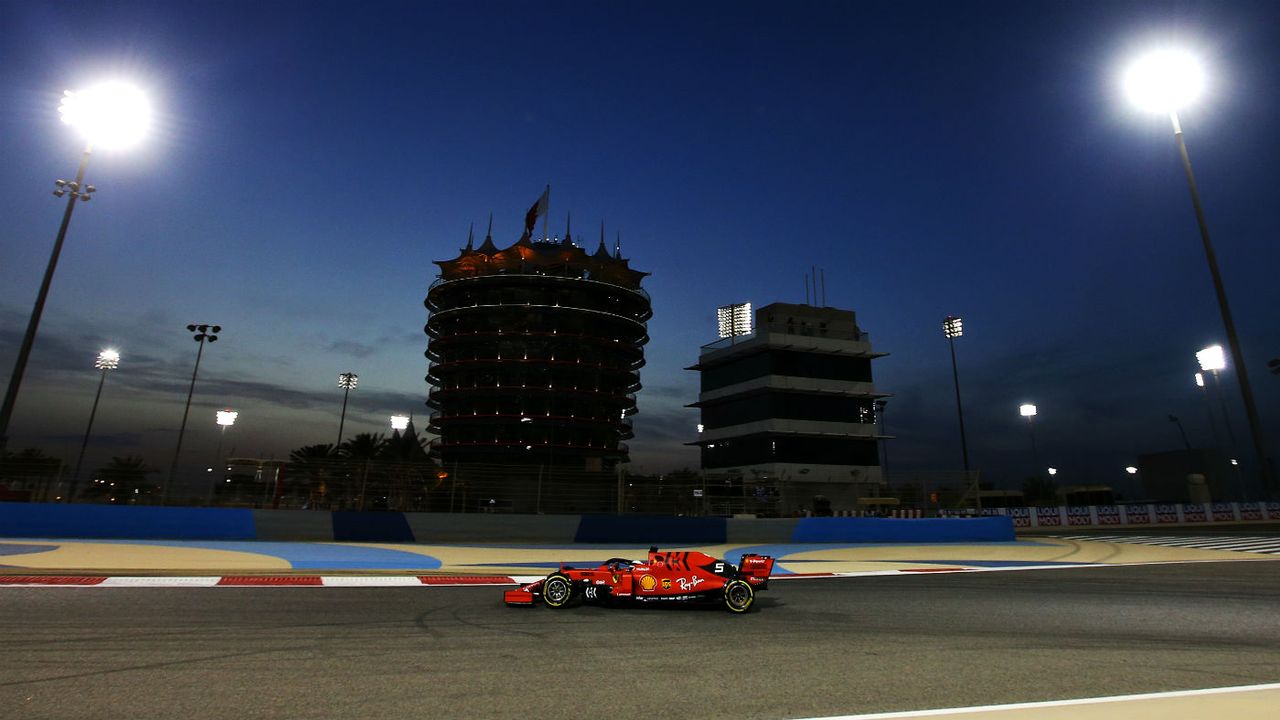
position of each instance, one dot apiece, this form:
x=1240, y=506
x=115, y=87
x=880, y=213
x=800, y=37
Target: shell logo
x=648, y=582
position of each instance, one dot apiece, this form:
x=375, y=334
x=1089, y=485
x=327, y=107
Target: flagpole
x=546, y=214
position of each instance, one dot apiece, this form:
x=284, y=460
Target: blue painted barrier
x=649, y=529
x=129, y=522
x=891, y=530
x=371, y=527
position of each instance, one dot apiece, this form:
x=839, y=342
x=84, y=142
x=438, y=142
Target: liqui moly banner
x=1108, y=514
x=1273, y=511
x=1193, y=513
x=1137, y=514
x=1223, y=512
x=1252, y=511
x=1079, y=515
x=1166, y=513
x=1049, y=516
x=1021, y=516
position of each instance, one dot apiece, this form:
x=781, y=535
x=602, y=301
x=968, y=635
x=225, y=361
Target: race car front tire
x=557, y=591
x=738, y=596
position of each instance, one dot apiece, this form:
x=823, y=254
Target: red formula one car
x=664, y=577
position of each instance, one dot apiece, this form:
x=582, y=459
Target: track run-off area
x=1092, y=620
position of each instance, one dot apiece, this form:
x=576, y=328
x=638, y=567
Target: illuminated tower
x=535, y=355
x=790, y=404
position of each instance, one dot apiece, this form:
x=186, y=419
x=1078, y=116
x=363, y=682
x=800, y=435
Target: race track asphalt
x=810, y=648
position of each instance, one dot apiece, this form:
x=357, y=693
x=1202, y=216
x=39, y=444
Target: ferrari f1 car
x=664, y=577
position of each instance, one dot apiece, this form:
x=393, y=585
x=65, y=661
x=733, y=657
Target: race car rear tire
x=557, y=591
x=738, y=596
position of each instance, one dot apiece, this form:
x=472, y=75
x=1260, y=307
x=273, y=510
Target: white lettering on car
x=689, y=584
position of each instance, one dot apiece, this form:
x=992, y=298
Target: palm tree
x=410, y=470
x=359, y=451
x=310, y=468
x=123, y=481
x=23, y=473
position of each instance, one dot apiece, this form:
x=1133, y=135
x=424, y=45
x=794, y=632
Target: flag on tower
x=539, y=208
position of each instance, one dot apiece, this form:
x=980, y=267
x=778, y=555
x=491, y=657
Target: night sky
x=310, y=161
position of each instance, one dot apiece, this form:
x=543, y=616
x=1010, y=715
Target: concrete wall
x=161, y=523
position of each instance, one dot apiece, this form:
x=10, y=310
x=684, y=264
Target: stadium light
x=111, y=115
x=1167, y=80
x=399, y=422
x=734, y=320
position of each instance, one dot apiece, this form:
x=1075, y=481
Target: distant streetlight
x=399, y=422
x=1165, y=81
x=202, y=334
x=952, y=328
x=1053, y=471
x=112, y=115
x=347, y=381
x=1181, y=430
x=1028, y=411
x=1131, y=470
x=107, y=360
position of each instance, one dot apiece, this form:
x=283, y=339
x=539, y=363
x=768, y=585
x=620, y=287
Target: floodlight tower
x=1213, y=361
x=1028, y=411
x=201, y=334
x=107, y=360
x=733, y=320
x=112, y=115
x=1208, y=406
x=225, y=419
x=952, y=328
x=347, y=381
x=399, y=422
x=1166, y=81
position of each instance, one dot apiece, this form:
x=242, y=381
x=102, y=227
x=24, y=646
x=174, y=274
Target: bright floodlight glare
x=1027, y=410
x=107, y=360
x=1199, y=379
x=1164, y=80
x=227, y=418
x=112, y=115
x=734, y=320
x=1212, y=358
x=399, y=422
x=1053, y=471
x=348, y=380
x=1131, y=470
x=952, y=327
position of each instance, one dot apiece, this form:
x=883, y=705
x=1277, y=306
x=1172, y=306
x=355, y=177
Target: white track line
x=1052, y=703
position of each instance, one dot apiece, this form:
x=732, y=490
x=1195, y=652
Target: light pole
x=113, y=115
x=1028, y=411
x=347, y=381
x=1165, y=81
x=202, y=334
x=1208, y=406
x=1213, y=361
x=1181, y=431
x=107, y=360
x=952, y=328
x=225, y=419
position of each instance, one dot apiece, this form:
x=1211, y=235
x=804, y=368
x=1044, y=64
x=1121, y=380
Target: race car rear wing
x=755, y=569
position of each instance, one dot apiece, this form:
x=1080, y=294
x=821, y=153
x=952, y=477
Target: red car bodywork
x=664, y=577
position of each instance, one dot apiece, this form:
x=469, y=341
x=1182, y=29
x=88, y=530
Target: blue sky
x=311, y=160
